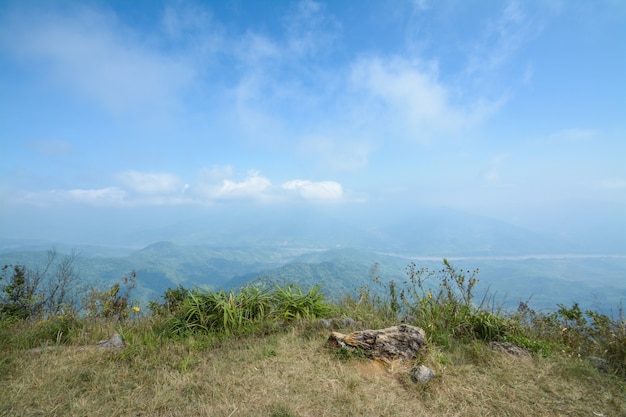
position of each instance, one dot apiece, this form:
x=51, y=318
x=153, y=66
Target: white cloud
x=150, y=183
x=218, y=183
x=255, y=49
x=185, y=19
x=407, y=96
x=310, y=30
x=212, y=186
x=102, y=196
x=93, y=54
x=502, y=39
x=253, y=186
x=321, y=190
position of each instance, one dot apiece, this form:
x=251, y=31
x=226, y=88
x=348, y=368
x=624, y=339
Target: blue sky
x=513, y=110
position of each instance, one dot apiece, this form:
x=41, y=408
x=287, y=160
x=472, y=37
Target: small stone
x=347, y=322
x=509, y=348
x=421, y=374
x=600, y=364
x=114, y=342
x=325, y=322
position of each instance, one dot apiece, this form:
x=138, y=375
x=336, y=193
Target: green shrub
x=250, y=307
x=114, y=303
x=292, y=303
x=173, y=298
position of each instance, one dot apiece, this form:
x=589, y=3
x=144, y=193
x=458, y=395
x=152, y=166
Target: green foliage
x=292, y=303
x=250, y=307
x=32, y=293
x=28, y=334
x=173, y=298
x=442, y=302
x=489, y=326
x=113, y=303
x=19, y=298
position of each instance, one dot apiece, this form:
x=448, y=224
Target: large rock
x=397, y=342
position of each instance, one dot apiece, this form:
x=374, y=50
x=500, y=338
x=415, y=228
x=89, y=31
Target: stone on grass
x=421, y=374
x=114, y=342
x=509, y=348
x=600, y=364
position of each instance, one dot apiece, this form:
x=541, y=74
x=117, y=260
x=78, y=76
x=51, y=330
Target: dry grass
x=292, y=374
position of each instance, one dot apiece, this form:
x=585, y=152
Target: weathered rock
x=114, y=342
x=421, y=374
x=397, y=342
x=509, y=348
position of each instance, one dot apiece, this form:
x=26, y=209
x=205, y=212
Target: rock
x=346, y=322
x=421, y=374
x=114, y=342
x=397, y=342
x=509, y=348
x=325, y=322
x=600, y=364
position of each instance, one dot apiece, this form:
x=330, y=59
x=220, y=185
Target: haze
x=125, y=117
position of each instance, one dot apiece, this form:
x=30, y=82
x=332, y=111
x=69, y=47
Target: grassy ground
x=289, y=372
x=261, y=351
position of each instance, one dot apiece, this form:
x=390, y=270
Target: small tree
x=19, y=298
x=30, y=292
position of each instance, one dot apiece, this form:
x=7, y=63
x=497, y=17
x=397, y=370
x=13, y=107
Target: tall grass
x=443, y=302
x=233, y=312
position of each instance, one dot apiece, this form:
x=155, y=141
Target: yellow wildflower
x=430, y=296
x=136, y=309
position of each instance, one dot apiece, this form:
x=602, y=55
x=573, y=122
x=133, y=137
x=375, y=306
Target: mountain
x=339, y=248
x=425, y=232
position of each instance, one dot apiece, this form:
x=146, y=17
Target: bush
x=113, y=303
x=173, y=298
x=239, y=311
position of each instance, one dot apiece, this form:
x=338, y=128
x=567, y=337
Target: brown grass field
x=292, y=373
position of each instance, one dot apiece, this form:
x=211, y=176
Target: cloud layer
x=202, y=103
x=212, y=186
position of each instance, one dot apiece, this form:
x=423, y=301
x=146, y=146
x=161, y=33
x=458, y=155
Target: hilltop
x=261, y=351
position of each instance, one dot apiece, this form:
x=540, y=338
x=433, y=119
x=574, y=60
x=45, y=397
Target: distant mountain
x=424, y=232
x=589, y=280
x=337, y=248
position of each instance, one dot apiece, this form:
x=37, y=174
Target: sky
x=113, y=110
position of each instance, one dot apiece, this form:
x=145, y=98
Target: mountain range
x=339, y=250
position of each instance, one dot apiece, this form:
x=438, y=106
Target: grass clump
x=250, y=308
